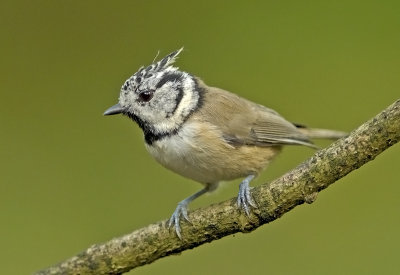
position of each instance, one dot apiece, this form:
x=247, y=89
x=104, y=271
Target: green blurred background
x=71, y=177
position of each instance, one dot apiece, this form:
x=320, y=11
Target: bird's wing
x=244, y=122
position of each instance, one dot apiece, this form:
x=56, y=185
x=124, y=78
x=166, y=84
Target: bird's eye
x=146, y=96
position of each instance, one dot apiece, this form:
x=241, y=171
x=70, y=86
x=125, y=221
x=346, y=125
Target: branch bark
x=300, y=185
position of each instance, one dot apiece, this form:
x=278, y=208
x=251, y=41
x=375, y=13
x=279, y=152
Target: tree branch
x=300, y=185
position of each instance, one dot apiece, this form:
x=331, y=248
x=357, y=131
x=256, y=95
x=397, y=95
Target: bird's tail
x=315, y=133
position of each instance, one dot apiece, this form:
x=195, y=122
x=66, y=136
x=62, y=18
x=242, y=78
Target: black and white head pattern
x=160, y=97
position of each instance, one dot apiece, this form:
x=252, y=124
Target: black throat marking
x=150, y=136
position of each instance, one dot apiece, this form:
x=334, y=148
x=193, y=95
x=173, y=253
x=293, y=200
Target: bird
x=205, y=133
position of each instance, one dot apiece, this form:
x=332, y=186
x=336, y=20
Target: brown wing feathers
x=245, y=122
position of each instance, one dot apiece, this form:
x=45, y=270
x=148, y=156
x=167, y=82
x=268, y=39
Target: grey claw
x=184, y=213
x=181, y=209
x=244, y=199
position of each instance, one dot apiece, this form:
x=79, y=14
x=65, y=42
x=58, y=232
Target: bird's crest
x=152, y=69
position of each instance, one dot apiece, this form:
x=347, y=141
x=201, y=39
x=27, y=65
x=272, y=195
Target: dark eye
x=146, y=96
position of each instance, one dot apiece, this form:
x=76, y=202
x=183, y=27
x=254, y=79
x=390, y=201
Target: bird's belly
x=201, y=154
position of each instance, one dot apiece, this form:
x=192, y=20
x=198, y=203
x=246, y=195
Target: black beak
x=114, y=110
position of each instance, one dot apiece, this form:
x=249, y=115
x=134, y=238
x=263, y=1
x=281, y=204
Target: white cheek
x=151, y=115
x=187, y=104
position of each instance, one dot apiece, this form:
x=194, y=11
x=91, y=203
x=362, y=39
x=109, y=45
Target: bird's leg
x=244, y=199
x=181, y=209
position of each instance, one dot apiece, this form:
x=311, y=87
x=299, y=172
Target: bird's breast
x=198, y=151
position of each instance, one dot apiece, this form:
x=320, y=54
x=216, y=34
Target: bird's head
x=159, y=97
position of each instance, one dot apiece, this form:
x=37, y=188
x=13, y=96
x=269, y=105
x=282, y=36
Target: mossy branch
x=300, y=185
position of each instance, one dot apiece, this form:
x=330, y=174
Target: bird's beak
x=114, y=110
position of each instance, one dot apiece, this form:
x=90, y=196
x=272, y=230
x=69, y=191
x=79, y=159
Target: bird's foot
x=181, y=210
x=244, y=199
